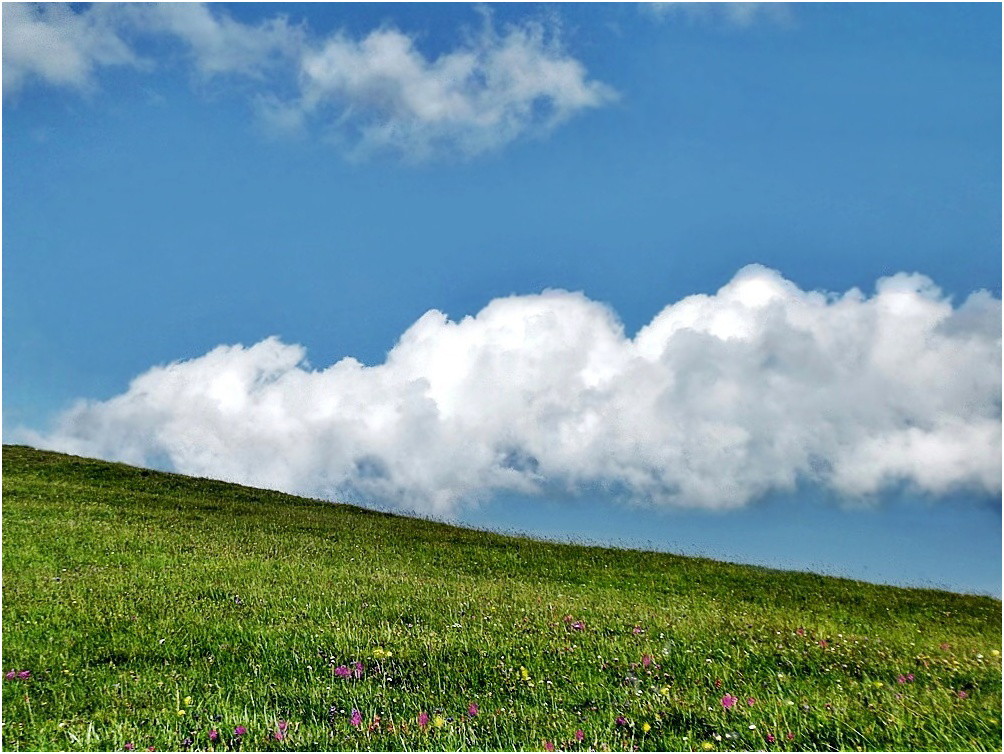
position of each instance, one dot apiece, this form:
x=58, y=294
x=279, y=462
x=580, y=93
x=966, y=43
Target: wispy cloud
x=720, y=399
x=375, y=93
x=737, y=15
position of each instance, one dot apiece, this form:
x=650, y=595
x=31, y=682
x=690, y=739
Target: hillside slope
x=152, y=609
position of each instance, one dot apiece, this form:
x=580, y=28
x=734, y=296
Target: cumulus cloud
x=374, y=93
x=720, y=399
x=54, y=44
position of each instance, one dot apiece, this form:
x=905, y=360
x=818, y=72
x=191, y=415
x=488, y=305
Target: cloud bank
x=719, y=400
x=375, y=93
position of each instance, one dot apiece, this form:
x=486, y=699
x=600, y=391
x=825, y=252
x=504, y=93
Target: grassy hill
x=153, y=609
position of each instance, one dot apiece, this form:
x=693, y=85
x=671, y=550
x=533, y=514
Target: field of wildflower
x=148, y=611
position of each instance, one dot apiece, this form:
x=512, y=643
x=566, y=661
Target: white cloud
x=740, y=15
x=720, y=399
x=472, y=99
x=53, y=44
x=374, y=93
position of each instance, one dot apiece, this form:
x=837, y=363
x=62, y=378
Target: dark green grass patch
x=152, y=609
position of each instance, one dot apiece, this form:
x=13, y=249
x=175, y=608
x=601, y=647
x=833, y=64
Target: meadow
x=144, y=610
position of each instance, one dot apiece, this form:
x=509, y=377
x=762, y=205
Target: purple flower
x=770, y=738
x=728, y=701
x=10, y=675
x=423, y=719
x=342, y=671
x=962, y=695
x=637, y=630
x=283, y=725
x=750, y=701
x=646, y=660
x=548, y=746
x=357, y=670
x=621, y=720
x=472, y=710
x=214, y=735
x=356, y=719
x=901, y=679
x=579, y=734
x=909, y=677
x=278, y=735
x=24, y=675
x=186, y=742
x=240, y=730
x=130, y=746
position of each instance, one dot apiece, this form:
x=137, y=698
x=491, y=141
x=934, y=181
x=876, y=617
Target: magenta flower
x=580, y=734
x=356, y=719
x=342, y=671
x=729, y=701
x=214, y=735
x=646, y=660
x=10, y=675
x=901, y=679
x=130, y=746
x=770, y=738
x=963, y=695
x=278, y=735
x=423, y=719
x=357, y=669
x=24, y=675
x=283, y=725
x=621, y=720
x=909, y=677
x=472, y=710
x=824, y=643
x=750, y=701
x=800, y=631
x=637, y=630
x=548, y=746
x=579, y=625
x=240, y=730
x=790, y=736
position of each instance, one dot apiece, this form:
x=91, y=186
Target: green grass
x=126, y=591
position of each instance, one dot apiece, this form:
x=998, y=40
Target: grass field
x=155, y=610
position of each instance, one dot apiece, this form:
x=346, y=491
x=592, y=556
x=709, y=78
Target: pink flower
x=423, y=719
x=10, y=675
x=728, y=701
x=909, y=677
x=579, y=625
x=24, y=675
x=579, y=734
x=357, y=670
x=356, y=719
x=283, y=725
x=130, y=746
x=790, y=736
x=901, y=679
x=646, y=660
x=240, y=730
x=770, y=738
x=800, y=631
x=342, y=671
x=750, y=701
x=472, y=710
x=278, y=735
x=963, y=695
x=548, y=746
x=824, y=643
x=637, y=630
x=214, y=735
x=151, y=748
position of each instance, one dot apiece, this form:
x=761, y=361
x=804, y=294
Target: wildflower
x=342, y=671
x=130, y=746
x=770, y=738
x=151, y=748
x=472, y=710
x=283, y=725
x=728, y=701
x=356, y=719
x=901, y=679
x=10, y=675
x=824, y=643
x=645, y=727
x=240, y=730
x=621, y=720
x=548, y=746
x=750, y=701
x=579, y=734
x=707, y=746
x=962, y=695
x=579, y=625
x=188, y=701
x=945, y=646
x=24, y=675
x=358, y=668
x=646, y=660
x=186, y=742
x=524, y=673
x=214, y=735
x=909, y=677
x=637, y=630
x=423, y=719
x=278, y=735
x=790, y=736
x=718, y=683
x=800, y=631
x=375, y=725
x=181, y=713
x=438, y=721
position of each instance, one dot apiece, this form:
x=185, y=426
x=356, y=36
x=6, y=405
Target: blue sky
x=175, y=181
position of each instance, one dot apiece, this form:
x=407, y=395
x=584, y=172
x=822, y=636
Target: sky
x=720, y=279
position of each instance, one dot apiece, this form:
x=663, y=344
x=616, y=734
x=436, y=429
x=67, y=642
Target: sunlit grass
x=152, y=609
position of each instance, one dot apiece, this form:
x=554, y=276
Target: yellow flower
x=707, y=746
x=995, y=652
x=878, y=684
x=664, y=691
x=181, y=713
x=438, y=721
x=380, y=653
x=188, y=701
x=645, y=727
x=524, y=673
